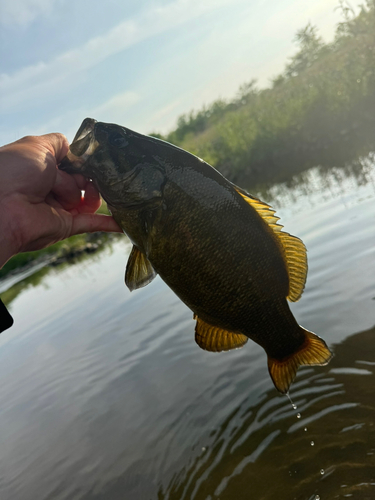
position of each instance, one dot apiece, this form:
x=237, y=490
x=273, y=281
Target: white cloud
x=23, y=12
x=34, y=84
x=160, y=120
x=297, y=14
x=114, y=110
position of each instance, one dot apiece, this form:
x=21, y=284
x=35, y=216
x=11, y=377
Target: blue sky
x=139, y=63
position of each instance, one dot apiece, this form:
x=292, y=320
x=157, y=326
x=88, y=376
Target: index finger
x=57, y=144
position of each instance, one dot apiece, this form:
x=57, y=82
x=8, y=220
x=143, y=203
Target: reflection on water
x=265, y=450
x=319, y=185
x=105, y=395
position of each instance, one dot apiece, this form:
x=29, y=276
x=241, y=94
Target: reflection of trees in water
x=327, y=182
x=30, y=281
x=37, y=278
x=268, y=453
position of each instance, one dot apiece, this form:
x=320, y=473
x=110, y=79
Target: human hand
x=39, y=204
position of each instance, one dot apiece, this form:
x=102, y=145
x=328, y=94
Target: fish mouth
x=83, y=146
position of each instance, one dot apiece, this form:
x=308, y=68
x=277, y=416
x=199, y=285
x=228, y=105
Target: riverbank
x=58, y=253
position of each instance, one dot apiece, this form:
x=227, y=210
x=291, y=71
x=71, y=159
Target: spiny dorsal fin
x=314, y=351
x=294, y=249
x=139, y=271
x=214, y=339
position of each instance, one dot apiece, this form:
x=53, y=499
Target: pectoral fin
x=212, y=338
x=139, y=271
x=294, y=251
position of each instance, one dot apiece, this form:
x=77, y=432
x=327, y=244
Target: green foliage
x=319, y=111
x=157, y=135
x=103, y=209
x=311, y=48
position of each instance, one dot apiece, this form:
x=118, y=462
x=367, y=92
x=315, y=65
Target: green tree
x=311, y=46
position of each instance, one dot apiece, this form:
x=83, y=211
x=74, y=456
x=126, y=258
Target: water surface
x=105, y=395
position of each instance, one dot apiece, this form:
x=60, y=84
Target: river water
x=105, y=395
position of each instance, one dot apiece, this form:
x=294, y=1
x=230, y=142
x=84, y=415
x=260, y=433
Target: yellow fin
x=293, y=248
x=212, y=338
x=139, y=271
x=296, y=259
x=314, y=351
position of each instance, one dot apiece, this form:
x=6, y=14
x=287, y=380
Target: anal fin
x=314, y=351
x=214, y=339
x=139, y=270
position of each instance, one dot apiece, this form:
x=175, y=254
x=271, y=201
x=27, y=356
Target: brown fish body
x=216, y=247
x=219, y=258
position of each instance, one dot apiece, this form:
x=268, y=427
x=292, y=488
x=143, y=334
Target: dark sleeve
x=6, y=320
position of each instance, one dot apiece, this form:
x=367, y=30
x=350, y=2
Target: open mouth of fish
x=83, y=146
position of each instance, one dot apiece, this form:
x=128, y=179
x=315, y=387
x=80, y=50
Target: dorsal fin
x=293, y=248
x=139, y=271
x=212, y=338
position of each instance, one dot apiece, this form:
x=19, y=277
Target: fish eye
x=118, y=140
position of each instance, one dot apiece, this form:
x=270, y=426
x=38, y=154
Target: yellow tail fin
x=314, y=351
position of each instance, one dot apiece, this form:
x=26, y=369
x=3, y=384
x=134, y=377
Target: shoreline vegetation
x=320, y=111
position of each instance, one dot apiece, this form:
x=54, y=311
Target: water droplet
x=322, y=472
x=317, y=497
x=305, y=429
x=291, y=402
x=203, y=448
x=312, y=443
x=298, y=415
x=359, y=80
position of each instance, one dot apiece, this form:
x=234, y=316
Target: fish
x=220, y=249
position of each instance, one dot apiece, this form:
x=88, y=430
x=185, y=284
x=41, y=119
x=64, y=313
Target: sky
x=139, y=63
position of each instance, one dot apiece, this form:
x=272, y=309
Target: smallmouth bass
x=218, y=248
